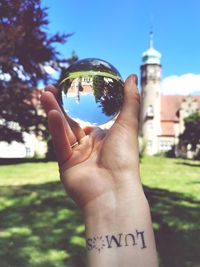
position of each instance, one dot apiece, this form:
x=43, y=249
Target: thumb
x=129, y=114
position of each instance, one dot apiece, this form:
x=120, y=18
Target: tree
x=64, y=64
x=191, y=134
x=108, y=94
x=26, y=50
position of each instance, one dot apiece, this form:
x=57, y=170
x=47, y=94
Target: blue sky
x=118, y=31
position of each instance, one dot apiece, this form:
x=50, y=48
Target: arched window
x=150, y=111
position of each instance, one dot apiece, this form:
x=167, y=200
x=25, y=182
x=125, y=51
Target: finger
x=49, y=103
x=129, y=114
x=52, y=89
x=74, y=125
x=61, y=143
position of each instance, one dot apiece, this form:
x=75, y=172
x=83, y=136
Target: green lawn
x=173, y=189
x=41, y=227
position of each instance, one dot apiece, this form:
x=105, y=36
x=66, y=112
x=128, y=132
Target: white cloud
x=185, y=84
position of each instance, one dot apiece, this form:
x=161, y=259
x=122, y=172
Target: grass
x=172, y=187
x=41, y=227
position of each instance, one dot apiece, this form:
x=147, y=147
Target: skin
x=102, y=175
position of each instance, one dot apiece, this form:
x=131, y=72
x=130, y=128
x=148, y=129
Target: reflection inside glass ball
x=91, y=92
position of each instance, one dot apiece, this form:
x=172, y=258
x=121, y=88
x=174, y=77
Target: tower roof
x=151, y=56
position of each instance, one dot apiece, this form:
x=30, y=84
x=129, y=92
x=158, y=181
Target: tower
x=150, y=127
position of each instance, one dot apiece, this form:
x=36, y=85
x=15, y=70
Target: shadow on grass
x=11, y=161
x=41, y=227
x=188, y=164
x=176, y=224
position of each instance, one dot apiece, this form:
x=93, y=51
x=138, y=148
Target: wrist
x=119, y=230
x=115, y=208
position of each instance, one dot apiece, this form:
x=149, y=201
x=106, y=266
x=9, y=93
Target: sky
x=118, y=32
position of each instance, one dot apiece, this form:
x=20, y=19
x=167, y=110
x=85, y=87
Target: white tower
x=150, y=127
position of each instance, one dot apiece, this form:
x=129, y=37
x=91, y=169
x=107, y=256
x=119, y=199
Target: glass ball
x=91, y=92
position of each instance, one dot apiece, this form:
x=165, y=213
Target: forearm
x=119, y=232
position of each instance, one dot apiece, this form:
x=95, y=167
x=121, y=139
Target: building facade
x=161, y=116
x=33, y=146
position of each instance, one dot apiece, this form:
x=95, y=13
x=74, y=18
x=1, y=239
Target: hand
x=102, y=176
x=106, y=162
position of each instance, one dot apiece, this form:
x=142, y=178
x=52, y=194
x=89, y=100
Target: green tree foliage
x=191, y=134
x=66, y=64
x=108, y=94
x=26, y=48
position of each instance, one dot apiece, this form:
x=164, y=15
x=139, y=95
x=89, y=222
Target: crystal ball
x=91, y=92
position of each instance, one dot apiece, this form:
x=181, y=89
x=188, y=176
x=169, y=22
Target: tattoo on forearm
x=101, y=242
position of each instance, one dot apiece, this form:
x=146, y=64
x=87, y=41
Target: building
x=161, y=116
x=33, y=146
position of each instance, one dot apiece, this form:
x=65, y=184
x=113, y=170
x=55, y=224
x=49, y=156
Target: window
x=165, y=145
x=151, y=70
x=28, y=152
x=86, y=80
x=150, y=112
x=143, y=73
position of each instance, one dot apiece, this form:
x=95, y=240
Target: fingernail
x=135, y=77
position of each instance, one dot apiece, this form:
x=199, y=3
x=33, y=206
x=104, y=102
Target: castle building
x=161, y=116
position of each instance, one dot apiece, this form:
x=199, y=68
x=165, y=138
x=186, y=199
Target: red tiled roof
x=170, y=104
x=167, y=128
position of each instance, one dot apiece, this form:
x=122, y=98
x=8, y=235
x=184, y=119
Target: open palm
x=96, y=166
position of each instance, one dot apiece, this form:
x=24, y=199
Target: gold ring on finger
x=74, y=145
